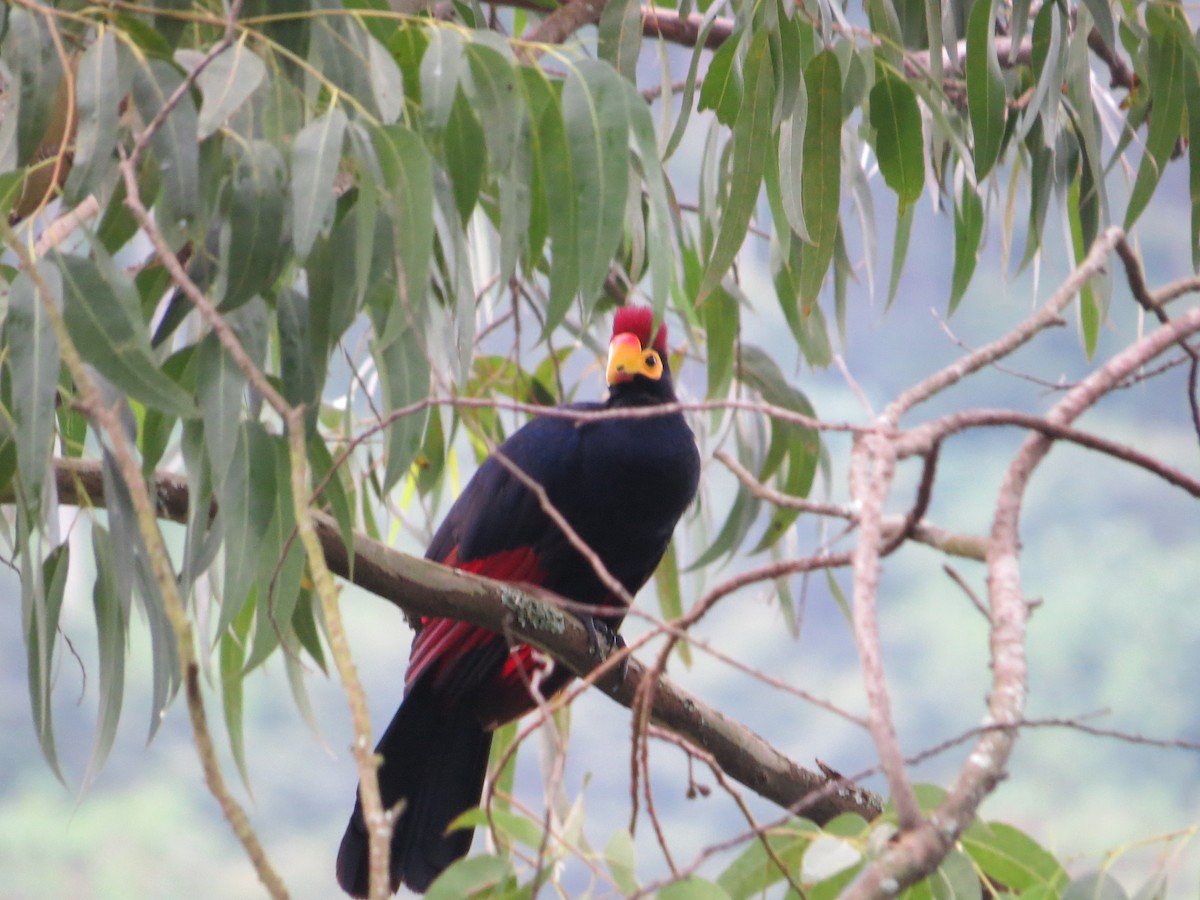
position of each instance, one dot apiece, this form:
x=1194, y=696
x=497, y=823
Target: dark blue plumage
x=622, y=484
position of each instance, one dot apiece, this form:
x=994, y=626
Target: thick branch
x=421, y=587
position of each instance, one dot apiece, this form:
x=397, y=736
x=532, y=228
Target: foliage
x=403, y=217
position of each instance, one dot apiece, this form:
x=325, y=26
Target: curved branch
x=421, y=587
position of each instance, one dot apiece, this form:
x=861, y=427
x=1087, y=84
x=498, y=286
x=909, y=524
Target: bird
x=622, y=484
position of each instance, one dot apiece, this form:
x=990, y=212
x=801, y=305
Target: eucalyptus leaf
x=225, y=83
x=33, y=362
x=315, y=155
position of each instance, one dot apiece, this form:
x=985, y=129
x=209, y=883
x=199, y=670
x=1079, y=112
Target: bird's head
x=638, y=371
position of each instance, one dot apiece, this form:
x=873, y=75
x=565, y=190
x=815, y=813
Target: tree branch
x=421, y=587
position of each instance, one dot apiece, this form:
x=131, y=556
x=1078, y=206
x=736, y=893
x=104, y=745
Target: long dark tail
x=435, y=759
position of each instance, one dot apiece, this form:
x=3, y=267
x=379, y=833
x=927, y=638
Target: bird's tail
x=434, y=759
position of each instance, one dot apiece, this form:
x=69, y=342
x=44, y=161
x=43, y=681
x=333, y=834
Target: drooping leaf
x=751, y=142
x=753, y=871
x=99, y=87
x=36, y=69
x=407, y=172
x=620, y=36
x=1012, y=858
x=225, y=83
x=441, y=68
x=985, y=87
x=175, y=146
x=252, y=235
x=898, y=139
x=103, y=317
x=280, y=561
x=315, y=154
x=41, y=603
x=465, y=150
x=111, y=631
x=1167, y=85
x=822, y=171
x=594, y=114
x=659, y=218
x=404, y=376
x=33, y=362
x=968, y=231
x=722, y=88
x=491, y=88
x=233, y=641
x=246, y=504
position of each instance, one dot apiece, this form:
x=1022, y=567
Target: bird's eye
x=651, y=361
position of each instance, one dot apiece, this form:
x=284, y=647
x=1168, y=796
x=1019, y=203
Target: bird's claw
x=604, y=640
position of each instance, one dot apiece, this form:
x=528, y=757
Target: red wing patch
x=443, y=641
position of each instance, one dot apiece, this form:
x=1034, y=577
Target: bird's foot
x=604, y=640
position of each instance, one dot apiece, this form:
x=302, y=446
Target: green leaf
x=33, y=362
x=659, y=219
x=471, y=877
x=898, y=139
x=404, y=379
x=753, y=872
x=791, y=161
x=620, y=36
x=593, y=108
x=1095, y=886
x=252, y=233
x=670, y=596
x=441, y=68
x=42, y=596
x=1089, y=300
x=99, y=88
x=296, y=366
x=968, y=231
x=233, y=640
x=407, y=170
x=110, y=602
x=491, y=88
x=689, y=87
x=304, y=624
x=136, y=568
x=1192, y=92
x=465, y=150
x=719, y=313
x=387, y=81
x=1049, y=62
x=509, y=827
x=554, y=169
x=1167, y=85
x=954, y=879
x=621, y=856
x=822, y=171
x=175, y=145
x=280, y=560
x=103, y=317
x=985, y=87
x=692, y=887
x=37, y=71
x=904, y=223
x=751, y=142
x=796, y=445
x=246, y=504
x=316, y=152
x=722, y=87
x=225, y=83
x=335, y=499
x=340, y=52
x=1009, y=856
